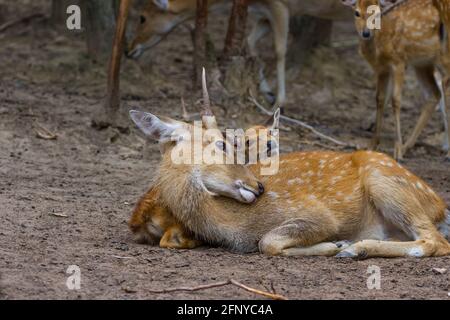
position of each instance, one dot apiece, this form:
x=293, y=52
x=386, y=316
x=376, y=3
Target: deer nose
x=366, y=33
x=260, y=188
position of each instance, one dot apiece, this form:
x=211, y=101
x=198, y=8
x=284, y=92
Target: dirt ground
x=94, y=178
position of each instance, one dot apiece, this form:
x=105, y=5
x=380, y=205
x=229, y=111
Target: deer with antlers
x=314, y=202
x=409, y=36
x=152, y=222
x=160, y=17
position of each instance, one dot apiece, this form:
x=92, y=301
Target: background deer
x=316, y=198
x=443, y=7
x=409, y=35
x=160, y=17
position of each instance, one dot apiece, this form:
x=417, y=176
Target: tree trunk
x=236, y=30
x=59, y=11
x=99, y=22
x=308, y=33
x=2, y=13
x=239, y=73
x=110, y=115
x=201, y=22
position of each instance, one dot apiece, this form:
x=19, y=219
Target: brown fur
x=151, y=221
x=315, y=198
x=274, y=17
x=308, y=212
x=409, y=35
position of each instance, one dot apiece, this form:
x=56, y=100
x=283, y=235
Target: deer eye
x=221, y=145
x=357, y=13
x=143, y=19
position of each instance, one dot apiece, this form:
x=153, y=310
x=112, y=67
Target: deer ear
x=162, y=4
x=350, y=3
x=152, y=126
x=387, y=3
x=276, y=119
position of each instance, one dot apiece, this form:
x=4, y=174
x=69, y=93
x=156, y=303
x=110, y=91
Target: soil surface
x=67, y=201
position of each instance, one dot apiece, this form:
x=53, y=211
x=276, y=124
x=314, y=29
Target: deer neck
x=370, y=49
x=217, y=220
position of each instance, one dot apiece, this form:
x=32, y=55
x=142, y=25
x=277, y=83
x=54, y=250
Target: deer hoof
x=270, y=97
x=346, y=254
x=343, y=244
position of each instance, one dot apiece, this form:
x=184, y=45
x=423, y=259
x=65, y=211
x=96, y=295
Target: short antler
x=209, y=121
x=206, y=106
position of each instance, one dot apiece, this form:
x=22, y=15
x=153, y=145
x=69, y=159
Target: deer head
x=365, y=10
x=202, y=151
x=157, y=20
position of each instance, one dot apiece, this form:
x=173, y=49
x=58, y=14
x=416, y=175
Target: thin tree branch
x=44, y=133
x=302, y=124
x=256, y=291
x=191, y=289
x=12, y=23
x=221, y=284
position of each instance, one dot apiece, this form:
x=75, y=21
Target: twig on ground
x=12, y=23
x=262, y=293
x=301, y=124
x=129, y=290
x=44, y=133
x=344, y=43
x=120, y=257
x=221, y=284
x=59, y=215
x=315, y=143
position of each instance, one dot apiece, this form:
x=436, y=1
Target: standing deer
x=409, y=35
x=443, y=7
x=160, y=17
x=316, y=198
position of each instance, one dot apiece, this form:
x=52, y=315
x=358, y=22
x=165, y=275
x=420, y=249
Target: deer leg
x=142, y=215
x=261, y=28
x=301, y=237
x=280, y=26
x=445, y=117
x=446, y=99
x=433, y=95
x=408, y=208
x=176, y=237
x=398, y=80
x=391, y=249
x=384, y=93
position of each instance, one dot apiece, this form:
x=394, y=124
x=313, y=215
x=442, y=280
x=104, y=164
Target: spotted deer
x=152, y=222
x=409, y=36
x=160, y=17
x=443, y=7
x=315, y=202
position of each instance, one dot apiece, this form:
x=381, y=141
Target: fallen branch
x=301, y=124
x=59, y=215
x=120, y=257
x=44, y=133
x=345, y=43
x=221, y=284
x=317, y=144
x=256, y=291
x=12, y=23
